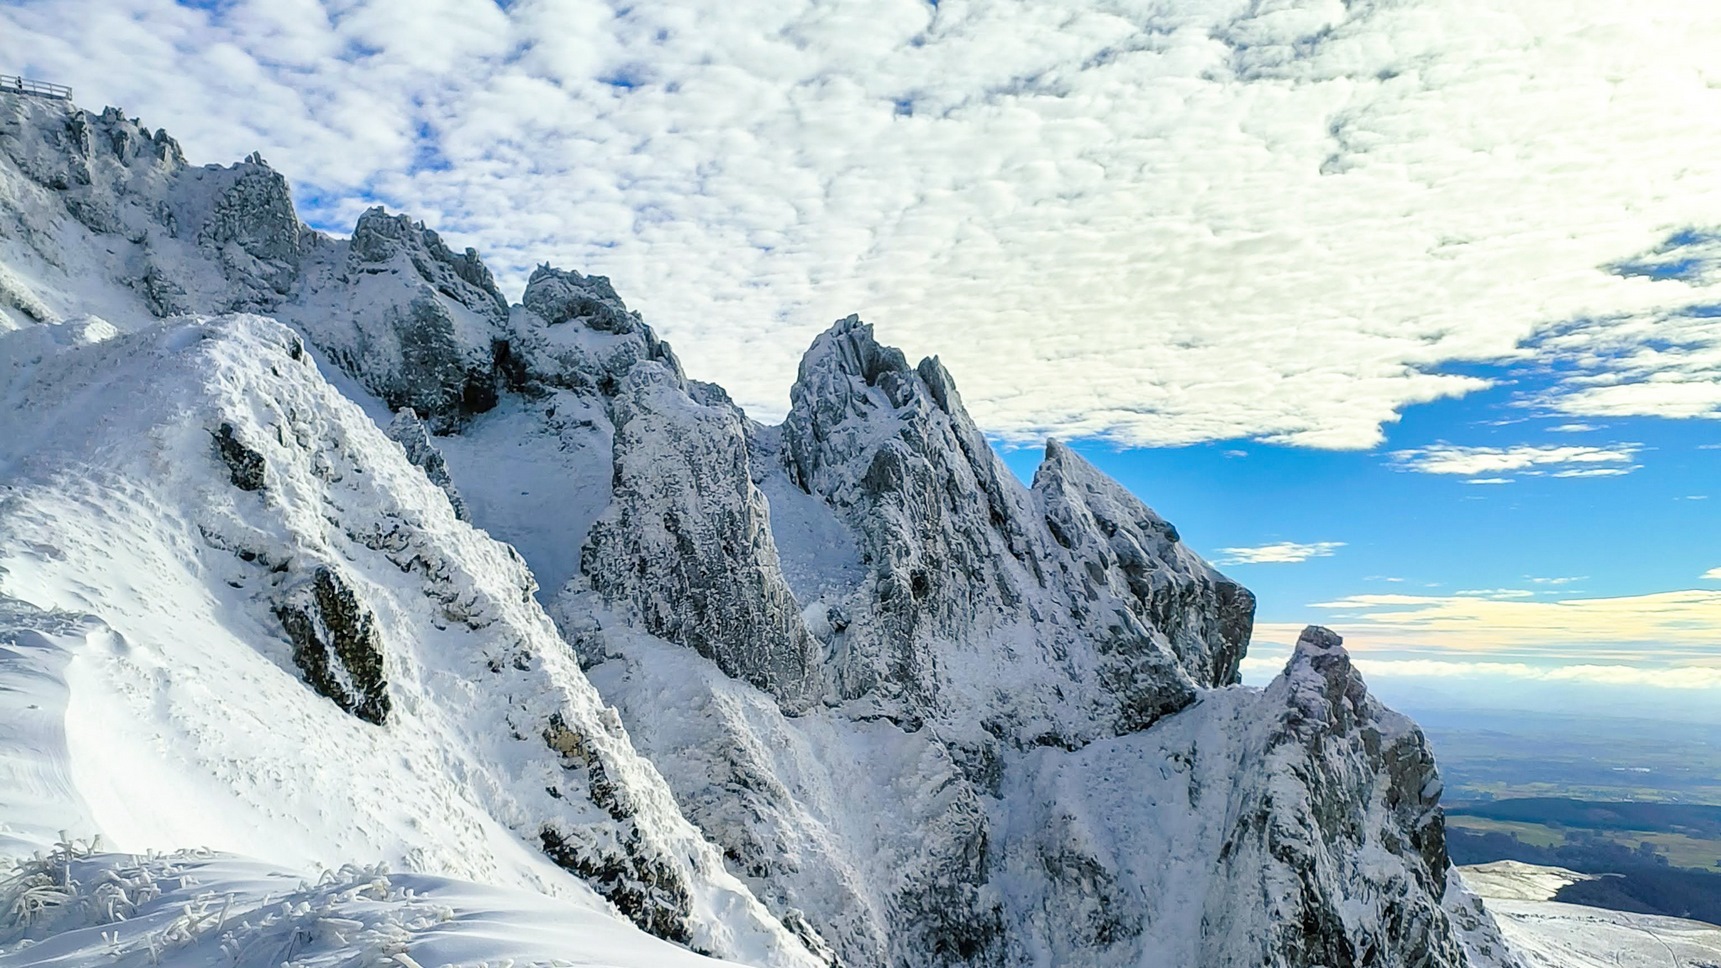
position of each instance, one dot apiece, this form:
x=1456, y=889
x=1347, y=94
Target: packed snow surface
x=1549, y=934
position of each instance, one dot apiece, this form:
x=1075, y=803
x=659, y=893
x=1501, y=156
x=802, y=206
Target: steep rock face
x=1122, y=546
x=256, y=234
x=686, y=541
x=1340, y=832
x=414, y=437
x=1291, y=828
x=419, y=325
x=1120, y=626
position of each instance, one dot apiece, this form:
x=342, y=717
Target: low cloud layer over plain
x=1154, y=222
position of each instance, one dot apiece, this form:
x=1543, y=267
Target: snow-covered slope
x=869, y=692
x=74, y=906
x=273, y=636
x=1550, y=934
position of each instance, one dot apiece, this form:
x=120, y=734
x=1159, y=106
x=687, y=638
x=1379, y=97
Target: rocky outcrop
x=1118, y=545
x=336, y=644
x=1290, y=828
x=414, y=437
x=255, y=233
x=245, y=466
x=1339, y=830
x=449, y=738
x=573, y=332
x=418, y=324
x=1126, y=623
x=381, y=241
x=616, y=860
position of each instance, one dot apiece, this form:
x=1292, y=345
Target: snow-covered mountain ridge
x=840, y=690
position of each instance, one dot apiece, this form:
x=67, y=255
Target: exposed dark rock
x=244, y=464
x=336, y=645
x=685, y=542
x=615, y=860
x=644, y=890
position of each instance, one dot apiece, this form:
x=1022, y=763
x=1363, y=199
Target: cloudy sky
x=1407, y=311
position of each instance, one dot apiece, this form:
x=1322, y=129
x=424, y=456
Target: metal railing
x=13, y=84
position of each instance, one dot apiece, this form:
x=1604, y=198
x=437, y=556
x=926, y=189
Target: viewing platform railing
x=13, y=84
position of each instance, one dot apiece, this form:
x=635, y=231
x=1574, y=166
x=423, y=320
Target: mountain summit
x=317, y=551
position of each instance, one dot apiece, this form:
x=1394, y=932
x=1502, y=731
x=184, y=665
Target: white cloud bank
x=1527, y=460
x=1279, y=553
x=1160, y=222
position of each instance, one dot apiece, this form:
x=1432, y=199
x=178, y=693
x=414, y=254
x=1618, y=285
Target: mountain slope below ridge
x=1036, y=683
x=182, y=499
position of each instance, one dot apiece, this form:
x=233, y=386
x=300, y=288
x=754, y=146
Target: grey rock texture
x=1310, y=815
x=573, y=332
x=686, y=544
x=1120, y=545
x=418, y=324
x=1343, y=784
x=414, y=437
x=1126, y=622
x=256, y=234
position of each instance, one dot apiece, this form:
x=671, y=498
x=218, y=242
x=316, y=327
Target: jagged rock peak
x=1124, y=546
x=562, y=295
x=55, y=142
x=1324, y=689
x=413, y=436
x=380, y=237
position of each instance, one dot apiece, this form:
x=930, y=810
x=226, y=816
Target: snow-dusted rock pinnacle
x=841, y=690
x=1119, y=621
x=686, y=541
x=1121, y=545
x=414, y=437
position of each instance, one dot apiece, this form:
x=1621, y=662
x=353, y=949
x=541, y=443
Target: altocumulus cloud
x=1157, y=223
x=1525, y=459
x=1279, y=553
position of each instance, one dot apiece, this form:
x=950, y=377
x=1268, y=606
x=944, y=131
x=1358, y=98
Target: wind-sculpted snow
x=76, y=905
x=890, y=706
x=346, y=575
